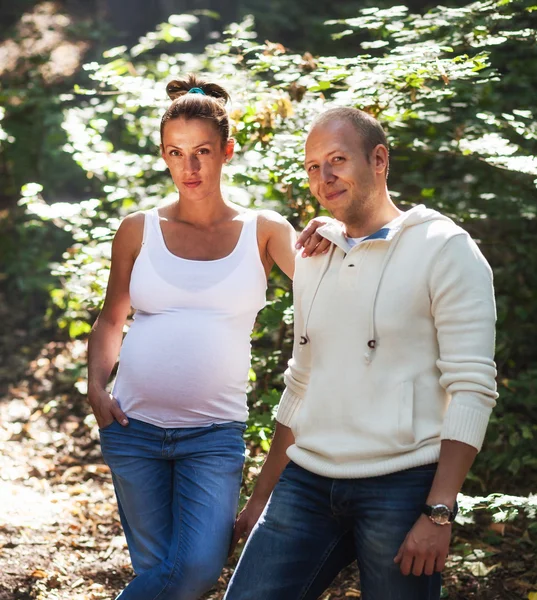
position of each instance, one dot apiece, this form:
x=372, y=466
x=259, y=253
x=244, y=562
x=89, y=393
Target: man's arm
x=275, y=463
x=296, y=379
x=426, y=546
x=462, y=304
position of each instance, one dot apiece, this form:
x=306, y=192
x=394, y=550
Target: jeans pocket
x=107, y=427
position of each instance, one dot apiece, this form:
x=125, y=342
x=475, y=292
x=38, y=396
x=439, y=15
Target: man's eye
x=204, y=151
x=312, y=168
x=338, y=158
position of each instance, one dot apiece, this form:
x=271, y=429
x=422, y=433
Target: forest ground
x=60, y=536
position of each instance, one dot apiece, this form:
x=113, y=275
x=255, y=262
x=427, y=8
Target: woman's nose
x=192, y=164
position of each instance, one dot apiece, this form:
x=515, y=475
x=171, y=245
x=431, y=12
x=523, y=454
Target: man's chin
x=336, y=213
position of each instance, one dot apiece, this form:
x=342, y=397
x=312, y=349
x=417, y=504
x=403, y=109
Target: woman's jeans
x=303, y=536
x=177, y=492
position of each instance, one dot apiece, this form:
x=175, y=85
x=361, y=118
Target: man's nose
x=327, y=173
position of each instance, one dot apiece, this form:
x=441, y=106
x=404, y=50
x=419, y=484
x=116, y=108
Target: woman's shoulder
x=130, y=233
x=132, y=223
x=270, y=220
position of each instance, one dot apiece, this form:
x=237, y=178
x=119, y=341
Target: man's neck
x=373, y=222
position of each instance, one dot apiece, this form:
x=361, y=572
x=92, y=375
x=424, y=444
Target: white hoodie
x=393, y=352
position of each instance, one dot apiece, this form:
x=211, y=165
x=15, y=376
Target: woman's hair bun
x=179, y=87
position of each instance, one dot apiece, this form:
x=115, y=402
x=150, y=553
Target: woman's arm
x=276, y=240
x=279, y=240
x=107, y=332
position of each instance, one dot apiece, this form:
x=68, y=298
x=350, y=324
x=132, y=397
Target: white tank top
x=186, y=357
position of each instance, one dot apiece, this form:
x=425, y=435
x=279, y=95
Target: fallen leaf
x=479, y=569
x=39, y=574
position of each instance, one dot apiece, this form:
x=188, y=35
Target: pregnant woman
x=171, y=431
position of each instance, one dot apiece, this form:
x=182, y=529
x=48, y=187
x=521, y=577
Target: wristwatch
x=440, y=513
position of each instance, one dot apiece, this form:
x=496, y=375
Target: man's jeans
x=177, y=492
x=309, y=519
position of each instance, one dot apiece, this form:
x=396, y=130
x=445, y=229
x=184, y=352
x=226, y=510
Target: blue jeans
x=309, y=518
x=177, y=492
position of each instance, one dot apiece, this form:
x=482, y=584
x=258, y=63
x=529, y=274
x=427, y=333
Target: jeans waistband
x=428, y=467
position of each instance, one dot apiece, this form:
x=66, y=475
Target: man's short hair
x=367, y=127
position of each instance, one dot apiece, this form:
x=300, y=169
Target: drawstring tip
x=371, y=347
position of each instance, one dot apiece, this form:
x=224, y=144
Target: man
x=388, y=394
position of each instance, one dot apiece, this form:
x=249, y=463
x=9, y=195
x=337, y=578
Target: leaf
x=77, y=328
x=479, y=569
x=39, y=574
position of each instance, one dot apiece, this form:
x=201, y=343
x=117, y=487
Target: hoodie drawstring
x=304, y=337
x=373, y=341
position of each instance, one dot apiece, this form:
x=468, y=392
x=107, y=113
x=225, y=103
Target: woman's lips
x=191, y=184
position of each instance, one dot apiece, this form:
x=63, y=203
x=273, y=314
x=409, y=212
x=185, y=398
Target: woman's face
x=192, y=150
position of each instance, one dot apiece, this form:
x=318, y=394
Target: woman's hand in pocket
x=106, y=408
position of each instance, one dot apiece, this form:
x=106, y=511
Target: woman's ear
x=230, y=149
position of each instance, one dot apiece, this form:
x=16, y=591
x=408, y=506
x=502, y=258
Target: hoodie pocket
x=406, y=414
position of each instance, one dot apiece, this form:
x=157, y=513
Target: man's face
x=340, y=176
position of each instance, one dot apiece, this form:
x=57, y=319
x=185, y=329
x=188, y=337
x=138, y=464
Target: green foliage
x=510, y=450
x=501, y=506
x=28, y=244
x=456, y=99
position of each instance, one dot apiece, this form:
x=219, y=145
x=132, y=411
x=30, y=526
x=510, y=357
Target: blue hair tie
x=196, y=91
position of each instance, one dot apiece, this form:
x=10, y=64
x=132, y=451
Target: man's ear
x=380, y=159
x=230, y=149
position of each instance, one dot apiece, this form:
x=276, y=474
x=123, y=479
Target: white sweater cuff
x=288, y=408
x=466, y=424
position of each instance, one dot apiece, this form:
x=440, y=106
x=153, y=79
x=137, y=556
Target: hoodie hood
x=333, y=232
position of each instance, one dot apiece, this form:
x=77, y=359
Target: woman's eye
x=203, y=151
x=174, y=153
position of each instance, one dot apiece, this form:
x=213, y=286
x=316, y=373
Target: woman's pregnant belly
x=184, y=367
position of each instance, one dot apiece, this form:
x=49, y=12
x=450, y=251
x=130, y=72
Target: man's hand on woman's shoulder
x=311, y=242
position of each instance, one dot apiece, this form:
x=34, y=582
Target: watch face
x=440, y=514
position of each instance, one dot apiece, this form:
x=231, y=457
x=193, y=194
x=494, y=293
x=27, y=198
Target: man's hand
x=106, y=409
x=310, y=241
x=425, y=548
x=245, y=522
